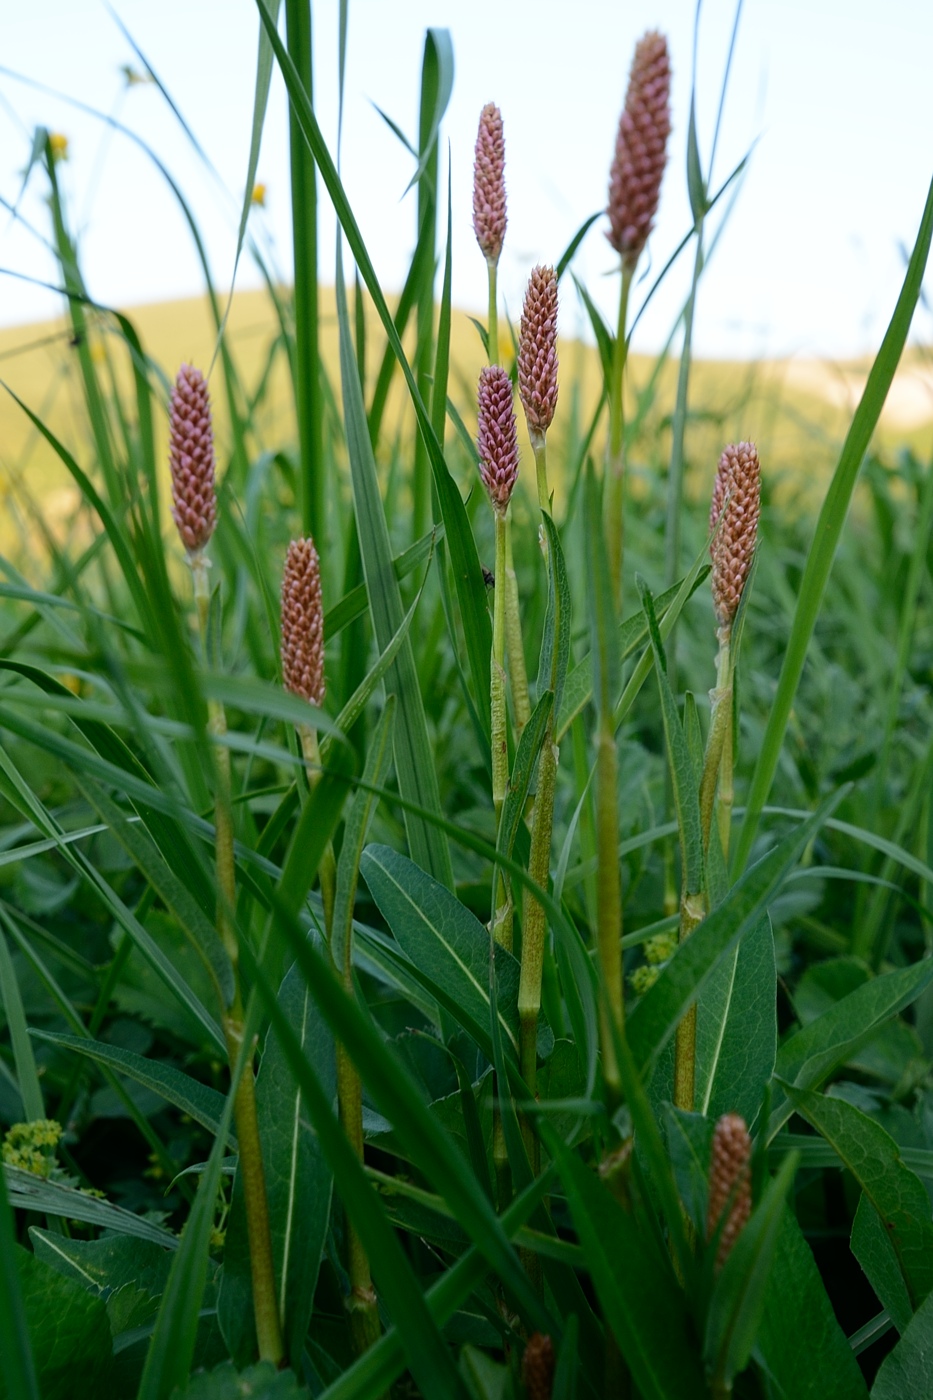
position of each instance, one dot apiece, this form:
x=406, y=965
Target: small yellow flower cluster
x=661, y=947
x=31, y=1146
x=643, y=977
x=58, y=142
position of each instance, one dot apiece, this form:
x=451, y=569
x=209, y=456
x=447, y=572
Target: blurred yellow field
x=797, y=410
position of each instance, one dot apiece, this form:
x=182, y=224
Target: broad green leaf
x=445, y=941
x=29, y=1192
x=737, y=1028
x=395, y=1095
x=107, y=1264
x=808, y=1057
x=424, y=1349
x=657, y=1014
x=873, y=1247
x=18, y=1366
x=413, y=760
x=299, y=1182
x=260, y=1382
x=170, y=1352
x=635, y=1284
x=905, y=1373
x=689, y=1143
x=555, y=642
x=200, y=1102
x=739, y=1293
x=898, y=1196
x=828, y=530
x=819, y=1362
x=68, y=1331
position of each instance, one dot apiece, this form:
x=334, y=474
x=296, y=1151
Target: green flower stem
x=500, y=750
x=365, y=1327
x=539, y=448
x=720, y=731
x=616, y=459
x=327, y=872
x=513, y=639
x=609, y=901
x=693, y=905
x=265, y=1304
x=493, y=327
x=535, y=926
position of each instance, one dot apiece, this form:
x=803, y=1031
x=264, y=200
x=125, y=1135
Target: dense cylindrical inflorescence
x=538, y=1367
x=730, y=1183
x=737, y=499
x=641, y=149
x=191, y=455
x=489, y=213
x=537, y=350
x=303, y=623
x=497, y=440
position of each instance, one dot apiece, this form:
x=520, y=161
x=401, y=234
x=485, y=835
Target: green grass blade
x=468, y=578
x=170, y=1353
x=829, y=528
x=416, y=776
x=424, y=1348
x=200, y=1102
x=27, y=1077
x=29, y=1192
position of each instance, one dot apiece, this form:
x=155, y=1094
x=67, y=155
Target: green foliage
x=482, y=1202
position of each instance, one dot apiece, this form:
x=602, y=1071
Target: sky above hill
x=830, y=96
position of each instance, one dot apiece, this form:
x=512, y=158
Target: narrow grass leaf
x=635, y=1285
x=413, y=761
x=170, y=1353
x=200, y=1102
x=27, y=1077
x=29, y=1192
x=828, y=530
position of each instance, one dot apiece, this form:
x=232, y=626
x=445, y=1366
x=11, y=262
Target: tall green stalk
x=250, y=1166
x=615, y=461
x=308, y=393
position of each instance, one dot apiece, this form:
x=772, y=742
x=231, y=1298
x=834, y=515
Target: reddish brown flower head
x=191, y=455
x=497, y=440
x=538, y=1367
x=489, y=216
x=641, y=149
x=737, y=498
x=537, y=351
x=730, y=1183
x=303, y=623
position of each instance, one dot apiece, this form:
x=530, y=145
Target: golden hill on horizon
x=797, y=410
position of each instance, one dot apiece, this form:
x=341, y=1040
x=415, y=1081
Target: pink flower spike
x=303, y=623
x=641, y=149
x=489, y=213
x=537, y=351
x=497, y=440
x=191, y=456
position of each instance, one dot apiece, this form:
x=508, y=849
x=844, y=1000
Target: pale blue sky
x=835, y=92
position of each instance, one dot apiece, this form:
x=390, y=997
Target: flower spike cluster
x=537, y=351
x=191, y=455
x=538, y=1362
x=497, y=440
x=737, y=499
x=489, y=214
x=641, y=149
x=303, y=623
x=730, y=1183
